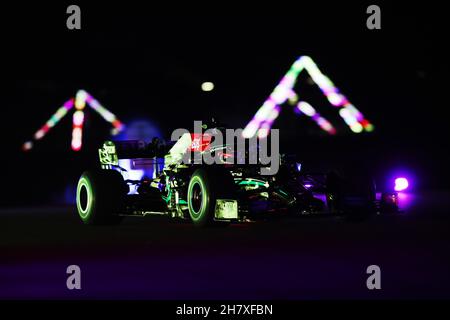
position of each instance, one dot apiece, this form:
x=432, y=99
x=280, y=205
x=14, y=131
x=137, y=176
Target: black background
x=149, y=61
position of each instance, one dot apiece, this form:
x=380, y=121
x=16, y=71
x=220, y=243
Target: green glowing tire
x=100, y=196
x=205, y=186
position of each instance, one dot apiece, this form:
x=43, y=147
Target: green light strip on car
x=250, y=182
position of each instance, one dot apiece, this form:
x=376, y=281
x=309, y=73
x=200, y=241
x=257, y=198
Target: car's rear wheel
x=100, y=197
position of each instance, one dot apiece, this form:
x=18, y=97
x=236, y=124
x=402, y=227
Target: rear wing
x=112, y=151
x=135, y=159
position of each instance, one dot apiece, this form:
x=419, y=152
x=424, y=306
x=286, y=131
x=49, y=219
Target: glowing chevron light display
x=82, y=98
x=284, y=92
x=324, y=124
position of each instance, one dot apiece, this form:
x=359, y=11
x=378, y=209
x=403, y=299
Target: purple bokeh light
x=401, y=184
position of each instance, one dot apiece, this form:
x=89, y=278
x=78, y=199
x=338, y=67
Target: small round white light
x=207, y=86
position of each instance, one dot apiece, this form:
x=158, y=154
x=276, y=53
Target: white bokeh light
x=207, y=86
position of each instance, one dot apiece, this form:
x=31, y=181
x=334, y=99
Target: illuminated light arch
x=82, y=98
x=308, y=110
x=284, y=92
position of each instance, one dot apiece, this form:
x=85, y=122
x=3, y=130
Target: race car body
x=136, y=178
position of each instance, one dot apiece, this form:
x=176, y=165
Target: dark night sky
x=149, y=62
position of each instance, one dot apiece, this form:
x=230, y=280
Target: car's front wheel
x=205, y=187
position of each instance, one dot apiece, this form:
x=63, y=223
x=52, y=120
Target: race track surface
x=154, y=258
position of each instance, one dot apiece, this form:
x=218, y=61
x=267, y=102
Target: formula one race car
x=139, y=179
